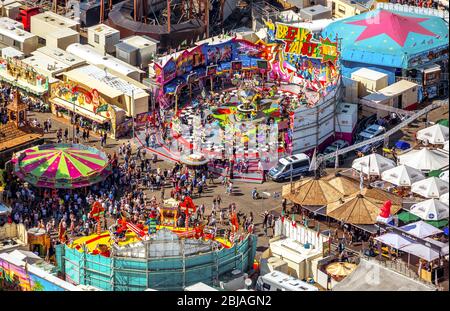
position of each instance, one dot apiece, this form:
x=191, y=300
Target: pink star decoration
x=397, y=27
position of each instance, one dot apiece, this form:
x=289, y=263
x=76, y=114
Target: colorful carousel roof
x=388, y=38
x=61, y=165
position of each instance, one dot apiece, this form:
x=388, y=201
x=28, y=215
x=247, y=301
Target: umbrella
x=421, y=229
x=443, y=122
x=431, y=209
x=402, y=175
x=424, y=159
x=435, y=134
x=421, y=251
x=444, y=175
x=444, y=198
x=446, y=231
x=314, y=192
x=64, y=166
x=340, y=269
x=432, y=187
x=393, y=240
x=4, y=210
x=402, y=145
x=363, y=208
x=407, y=217
x=345, y=185
x=378, y=164
x=438, y=223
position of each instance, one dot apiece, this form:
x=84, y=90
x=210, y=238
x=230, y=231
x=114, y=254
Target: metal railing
x=392, y=131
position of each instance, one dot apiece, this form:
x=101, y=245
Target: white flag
x=313, y=164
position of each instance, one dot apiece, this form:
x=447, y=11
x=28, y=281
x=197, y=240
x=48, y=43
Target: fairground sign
x=299, y=41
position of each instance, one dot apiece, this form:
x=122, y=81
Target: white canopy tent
x=431, y=209
x=402, y=175
x=4, y=210
x=421, y=229
x=444, y=175
x=378, y=164
x=425, y=159
x=446, y=147
x=393, y=240
x=421, y=251
x=444, y=198
x=432, y=187
x=435, y=134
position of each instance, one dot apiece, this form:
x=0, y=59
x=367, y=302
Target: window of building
x=341, y=9
x=96, y=38
x=16, y=44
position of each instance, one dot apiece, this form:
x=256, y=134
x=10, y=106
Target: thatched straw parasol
x=340, y=269
x=363, y=208
x=312, y=192
x=344, y=184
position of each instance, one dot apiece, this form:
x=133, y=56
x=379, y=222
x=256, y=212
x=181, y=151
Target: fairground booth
x=403, y=45
x=107, y=107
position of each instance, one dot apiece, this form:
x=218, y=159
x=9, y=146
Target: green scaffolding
x=160, y=273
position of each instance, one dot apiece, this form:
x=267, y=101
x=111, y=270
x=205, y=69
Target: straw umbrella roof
x=363, y=208
x=313, y=192
x=344, y=184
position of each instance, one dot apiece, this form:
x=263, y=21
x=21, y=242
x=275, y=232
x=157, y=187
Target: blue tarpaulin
x=402, y=145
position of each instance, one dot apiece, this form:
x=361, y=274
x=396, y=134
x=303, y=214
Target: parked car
x=338, y=144
x=370, y=132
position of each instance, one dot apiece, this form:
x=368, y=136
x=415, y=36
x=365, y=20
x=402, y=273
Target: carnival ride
x=125, y=232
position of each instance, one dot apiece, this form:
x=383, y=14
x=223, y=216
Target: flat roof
x=377, y=97
x=54, y=19
x=316, y=9
x=123, y=46
x=62, y=56
x=106, y=83
x=398, y=87
x=92, y=56
x=45, y=64
x=11, y=52
x=103, y=30
x=62, y=33
x=14, y=29
x=140, y=42
x=369, y=73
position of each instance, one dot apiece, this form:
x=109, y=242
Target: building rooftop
x=62, y=33
x=366, y=4
x=56, y=19
x=140, y=42
x=45, y=64
x=92, y=56
x=13, y=29
x=62, y=56
x=123, y=46
x=106, y=82
x=102, y=29
x=398, y=87
x=11, y=52
x=369, y=73
x=316, y=9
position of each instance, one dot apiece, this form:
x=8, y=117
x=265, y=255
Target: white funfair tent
x=446, y=146
x=425, y=159
x=402, y=175
x=435, y=134
x=378, y=164
x=444, y=198
x=431, y=209
x=432, y=187
x=393, y=240
x=421, y=229
x=444, y=175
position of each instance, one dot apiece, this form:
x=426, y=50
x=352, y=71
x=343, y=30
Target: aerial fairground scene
x=224, y=145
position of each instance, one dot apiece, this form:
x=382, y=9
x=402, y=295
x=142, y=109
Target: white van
x=298, y=162
x=279, y=281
